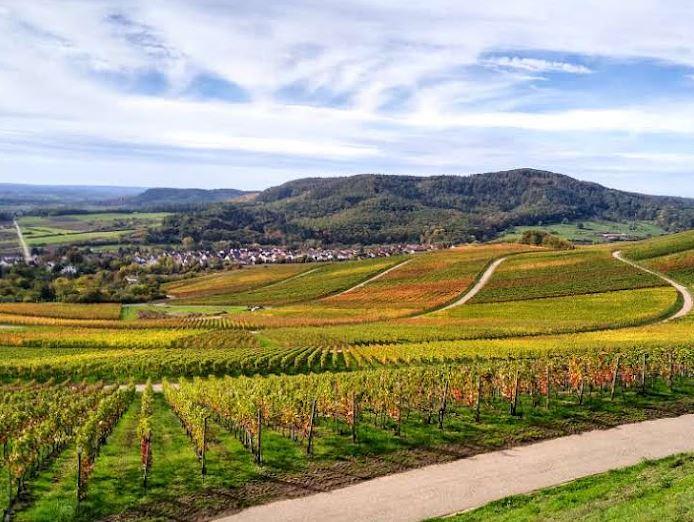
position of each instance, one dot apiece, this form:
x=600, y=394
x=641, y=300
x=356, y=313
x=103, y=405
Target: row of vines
x=292, y=404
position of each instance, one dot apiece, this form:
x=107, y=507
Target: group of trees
x=545, y=239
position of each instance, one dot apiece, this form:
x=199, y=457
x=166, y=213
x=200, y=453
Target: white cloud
x=537, y=65
x=652, y=120
x=424, y=59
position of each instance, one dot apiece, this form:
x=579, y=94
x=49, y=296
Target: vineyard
x=427, y=282
x=565, y=273
x=220, y=286
x=313, y=416
x=63, y=311
x=318, y=373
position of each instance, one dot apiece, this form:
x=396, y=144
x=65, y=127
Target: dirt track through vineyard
x=472, y=482
x=374, y=278
x=486, y=276
x=688, y=300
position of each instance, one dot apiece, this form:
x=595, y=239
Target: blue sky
x=251, y=94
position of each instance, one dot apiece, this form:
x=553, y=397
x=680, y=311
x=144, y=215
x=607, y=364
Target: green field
x=654, y=490
x=590, y=231
x=9, y=243
x=85, y=228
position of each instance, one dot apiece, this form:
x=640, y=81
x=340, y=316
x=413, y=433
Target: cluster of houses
x=257, y=256
x=10, y=260
x=202, y=259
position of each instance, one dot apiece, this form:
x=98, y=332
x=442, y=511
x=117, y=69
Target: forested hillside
x=173, y=198
x=373, y=208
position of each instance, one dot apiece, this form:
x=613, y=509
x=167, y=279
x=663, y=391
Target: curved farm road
x=481, y=283
x=374, y=278
x=688, y=300
x=469, y=483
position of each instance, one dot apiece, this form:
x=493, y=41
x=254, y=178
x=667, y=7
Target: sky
x=247, y=94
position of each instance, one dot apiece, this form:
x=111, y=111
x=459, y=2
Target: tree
x=188, y=243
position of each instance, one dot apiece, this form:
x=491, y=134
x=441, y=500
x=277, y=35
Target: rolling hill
x=371, y=208
x=62, y=199
x=172, y=198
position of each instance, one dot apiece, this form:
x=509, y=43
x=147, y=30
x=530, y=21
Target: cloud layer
x=249, y=94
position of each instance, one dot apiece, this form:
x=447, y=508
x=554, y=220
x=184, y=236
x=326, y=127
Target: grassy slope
x=654, y=491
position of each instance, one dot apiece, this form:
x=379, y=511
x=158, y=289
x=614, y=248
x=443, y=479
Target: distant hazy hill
x=20, y=198
x=175, y=197
x=65, y=198
x=373, y=208
x=16, y=193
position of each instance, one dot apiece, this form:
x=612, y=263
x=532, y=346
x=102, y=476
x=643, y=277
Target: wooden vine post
x=146, y=458
x=203, y=453
x=671, y=370
x=547, y=381
x=259, y=454
x=643, y=372
x=10, y=500
x=355, y=415
x=444, y=404
x=398, y=428
x=514, y=401
x=79, y=474
x=312, y=420
x=478, y=399
x=615, y=372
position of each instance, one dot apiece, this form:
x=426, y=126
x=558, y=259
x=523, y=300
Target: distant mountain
x=17, y=194
x=175, y=197
x=21, y=198
x=371, y=208
x=17, y=198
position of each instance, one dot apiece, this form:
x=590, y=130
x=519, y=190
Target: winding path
x=472, y=482
x=25, y=249
x=374, y=278
x=479, y=285
x=688, y=300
